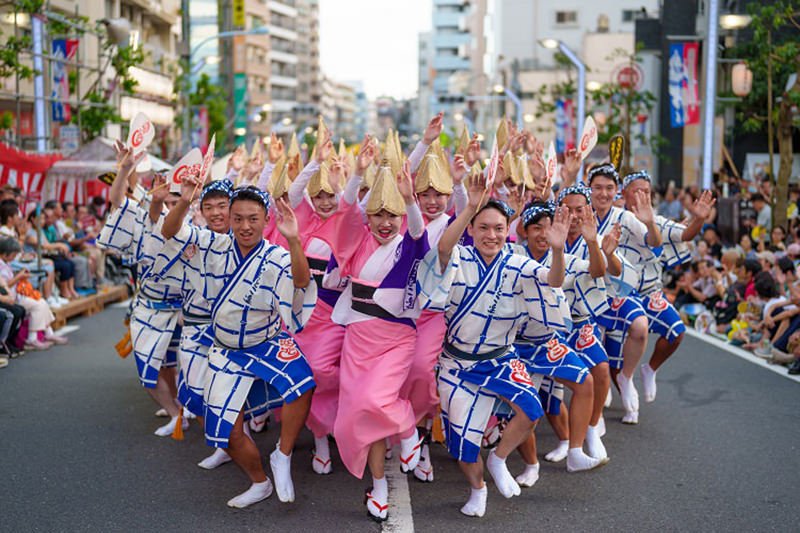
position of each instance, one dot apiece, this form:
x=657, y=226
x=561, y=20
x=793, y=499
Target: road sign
x=627, y=76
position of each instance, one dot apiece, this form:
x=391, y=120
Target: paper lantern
x=741, y=79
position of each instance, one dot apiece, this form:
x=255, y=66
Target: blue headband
x=618, y=196
x=225, y=186
x=548, y=208
x=504, y=207
x=576, y=189
x=630, y=178
x=604, y=170
x=263, y=195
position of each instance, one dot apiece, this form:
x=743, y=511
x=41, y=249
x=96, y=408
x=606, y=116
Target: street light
x=266, y=108
x=500, y=89
x=261, y=30
x=732, y=21
x=553, y=44
x=286, y=121
x=710, y=100
x=240, y=132
x=207, y=60
x=594, y=85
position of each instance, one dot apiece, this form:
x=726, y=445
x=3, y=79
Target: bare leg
x=602, y=382
x=376, y=458
x=244, y=452
x=293, y=418
x=635, y=345
x=528, y=449
x=663, y=350
x=560, y=424
x=473, y=472
x=47, y=285
x=162, y=393
x=580, y=409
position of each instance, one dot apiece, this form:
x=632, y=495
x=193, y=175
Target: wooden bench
x=89, y=305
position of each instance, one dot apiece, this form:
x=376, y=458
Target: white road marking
x=742, y=354
x=400, y=518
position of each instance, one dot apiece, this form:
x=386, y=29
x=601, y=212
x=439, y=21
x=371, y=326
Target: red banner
x=25, y=170
x=690, y=51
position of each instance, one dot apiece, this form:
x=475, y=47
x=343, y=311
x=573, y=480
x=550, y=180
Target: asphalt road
x=718, y=451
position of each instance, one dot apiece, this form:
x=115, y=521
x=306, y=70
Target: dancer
x=664, y=318
x=377, y=308
x=155, y=309
x=486, y=293
x=254, y=288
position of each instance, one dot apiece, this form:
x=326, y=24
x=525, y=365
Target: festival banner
x=64, y=50
x=561, y=126
x=683, y=91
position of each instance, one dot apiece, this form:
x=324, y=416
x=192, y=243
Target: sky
x=374, y=41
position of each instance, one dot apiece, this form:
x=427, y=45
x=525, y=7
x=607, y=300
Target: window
x=629, y=15
x=566, y=17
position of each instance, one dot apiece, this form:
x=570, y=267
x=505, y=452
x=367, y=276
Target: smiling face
x=432, y=202
x=603, y=191
x=248, y=220
x=633, y=189
x=384, y=225
x=216, y=210
x=324, y=204
x=536, y=234
x=489, y=230
x=576, y=205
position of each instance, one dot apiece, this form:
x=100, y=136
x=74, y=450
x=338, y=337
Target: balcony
x=458, y=3
x=284, y=8
x=282, y=57
x=283, y=33
x=283, y=106
x=283, y=81
x=450, y=40
x=447, y=18
x=450, y=63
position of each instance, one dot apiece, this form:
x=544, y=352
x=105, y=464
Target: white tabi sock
x=577, y=461
x=630, y=398
x=219, y=457
x=282, y=472
x=424, y=469
x=410, y=450
x=593, y=443
x=608, y=398
x=631, y=417
x=502, y=477
x=258, y=423
x=529, y=476
x=321, y=458
x=167, y=429
x=162, y=413
x=380, y=494
x=560, y=453
x=648, y=382
x=256, y=493
x=476, y=505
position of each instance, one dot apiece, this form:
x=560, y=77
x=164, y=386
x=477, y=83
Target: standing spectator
x=671, y=206
x=763, y=211
x=39, y=315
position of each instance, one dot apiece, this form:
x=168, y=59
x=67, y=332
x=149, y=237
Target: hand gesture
x=365, y=154
x=275, y=148
x=588, y=224
x=473, y=150
x=538, y=170
x=126, y=160
x=433, y=129
x=325, y=146
x=459, y=169
x=24, y=274
x=159, y=190
x=238, y=160
x=642, y=208
x=253, y=168
x=611, y=240
x=335, y=175
x=530, y=143
x=404, y=183
x=516, y=200
x=571, y=166
x=542, y=190
x=701, y=208
x=286, y=222
x=476, y=190
x=557, y=233
x=189, y=186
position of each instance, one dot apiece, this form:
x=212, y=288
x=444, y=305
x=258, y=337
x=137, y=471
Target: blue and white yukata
x=484, y=306
x=156, y=306
x=569, y=355
x=664, y=318
x=252, y=364
x=624, y=304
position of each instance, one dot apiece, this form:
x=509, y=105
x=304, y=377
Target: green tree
x=773, y=54
x=215, y=99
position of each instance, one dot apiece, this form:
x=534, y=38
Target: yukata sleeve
x=636, y=229
x=415, y=158
x=297, y=190
x=263, y=179
x=627, y=280
x=590, y=291
x=434, y=284
x=196, y=254
x=295, y=305
x=543, y=303
x=122, y=231
x=674, y=250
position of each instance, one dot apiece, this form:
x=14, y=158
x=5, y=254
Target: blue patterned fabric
x=607, y=170
x=553, y=358
x=664, y=318
x=586, y=340
x=581, y=189
x=630, y=178
x=224, y=185
x=621, y=313
x=535, y=210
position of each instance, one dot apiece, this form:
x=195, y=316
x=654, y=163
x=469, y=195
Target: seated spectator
x=698, y=285
x=767, y=260
x=777, y=240
x=83, y=241
x=750, y=269
x=771, y=304
x=793, y=253
x=745, y=247
x=57, y=252
x=98, y=208
x=56, y=232
x=714, y=242
x=39, y=315
x=763, y=211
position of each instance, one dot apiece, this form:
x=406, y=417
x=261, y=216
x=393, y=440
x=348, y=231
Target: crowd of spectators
x=48, y=257
x=746, y=290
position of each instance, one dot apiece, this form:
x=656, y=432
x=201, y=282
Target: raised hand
x=473, y=151
x=701, y=208
x=542, y=190
x=588, y=222
x=642, y=207
x=189, y=186
x=325, y=147
x=275, y=148
x=611, y=240
x=538, y=170
x=365, y=154
x=530, y=143
x=557, y=232
x=571, y=166
x=433, y=129
x=239, y=158
x=159, y=190
x=516, y=200
x=335, y=175
x=459, y=169
x=404, y=183
x=476, y=190
x=286, y=222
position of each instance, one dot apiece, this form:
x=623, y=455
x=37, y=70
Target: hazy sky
x=374, y=41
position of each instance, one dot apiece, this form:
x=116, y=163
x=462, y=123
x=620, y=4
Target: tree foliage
x=215, y=99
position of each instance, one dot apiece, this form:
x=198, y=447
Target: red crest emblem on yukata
x=555, y=350
x=585, y=337
x=190, y=251
x=519, y=373
x=616, y=303
x=657, y=302
x=288, y=351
